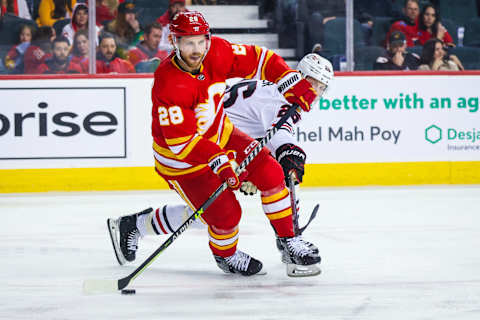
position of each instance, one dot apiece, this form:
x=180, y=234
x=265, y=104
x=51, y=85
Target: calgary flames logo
x=205, y=112
x=231, y=181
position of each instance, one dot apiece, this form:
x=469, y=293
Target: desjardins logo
x=434, y=134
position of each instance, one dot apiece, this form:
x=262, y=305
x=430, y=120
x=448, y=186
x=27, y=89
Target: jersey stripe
x=167, y=171
x=180, y=140
x=258, y=52
x=258, y=74
x=269, y=55
x=170, y=162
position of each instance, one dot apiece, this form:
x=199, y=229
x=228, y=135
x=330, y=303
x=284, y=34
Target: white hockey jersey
x=254, y=106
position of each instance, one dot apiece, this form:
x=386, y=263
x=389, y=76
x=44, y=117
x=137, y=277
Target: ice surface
x=388, y=253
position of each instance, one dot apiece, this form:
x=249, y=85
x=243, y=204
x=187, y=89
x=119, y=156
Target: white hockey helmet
x=317, y=67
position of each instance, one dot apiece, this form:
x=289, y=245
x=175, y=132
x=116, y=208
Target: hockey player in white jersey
x=253, y=106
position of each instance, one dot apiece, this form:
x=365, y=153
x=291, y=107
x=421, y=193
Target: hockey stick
x=312, y=216
x=296, y=227
x=293, y=199
x=102, y=286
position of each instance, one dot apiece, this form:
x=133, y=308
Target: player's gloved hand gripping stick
x=101, y=286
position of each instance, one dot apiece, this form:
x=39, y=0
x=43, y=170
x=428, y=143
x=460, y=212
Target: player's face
x=108, y=47
x=60, y=51
x=153, y=39
x=82, y=45
x=319, y=87
x=193, y=50
x=81, y=17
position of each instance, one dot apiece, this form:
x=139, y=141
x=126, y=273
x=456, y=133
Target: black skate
x=241, y=263
x=124, y=235
x=300, y=258
x=309, y=244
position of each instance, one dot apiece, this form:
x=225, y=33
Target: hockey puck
x=128, y=291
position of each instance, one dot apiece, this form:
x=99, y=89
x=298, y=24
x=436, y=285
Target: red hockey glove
x=223, y=165
x=297, y=90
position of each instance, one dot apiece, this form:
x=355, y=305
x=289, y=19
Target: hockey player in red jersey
x=196, y=146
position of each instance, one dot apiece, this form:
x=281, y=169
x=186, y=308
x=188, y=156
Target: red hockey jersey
x=189, y=124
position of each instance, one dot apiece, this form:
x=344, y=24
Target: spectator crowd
x=413, y=25
x=53, y=37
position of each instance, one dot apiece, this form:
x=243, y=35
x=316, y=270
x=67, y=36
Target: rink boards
x=93, y=133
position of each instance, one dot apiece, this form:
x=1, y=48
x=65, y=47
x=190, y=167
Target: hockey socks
x=277, y=207
x=223, y=243
x=165, y=220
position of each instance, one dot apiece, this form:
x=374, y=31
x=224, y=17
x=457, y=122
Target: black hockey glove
x=291, y=158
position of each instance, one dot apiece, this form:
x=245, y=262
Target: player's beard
x=194, y=61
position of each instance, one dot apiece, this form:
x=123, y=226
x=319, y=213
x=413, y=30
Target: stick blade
x=97, y=286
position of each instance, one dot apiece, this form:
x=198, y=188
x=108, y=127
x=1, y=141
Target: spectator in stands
x=79, y=22
x=397, y=57
x=408, y=25
x=107, y=59
x=39, y=50
x=59, y=62
x=126, y=28
x=332, y=9
x=14, y=57
x=164, y=20
x=17, y=8
x=434, y=57
x=80, y=49
x=50, y=11
x=105, y=10
x=147, y=50
x=429, y=26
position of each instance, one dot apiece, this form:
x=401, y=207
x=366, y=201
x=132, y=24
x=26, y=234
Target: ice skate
x=300, y=258
x=124, y=234
x=280, y=247
x=241, y=263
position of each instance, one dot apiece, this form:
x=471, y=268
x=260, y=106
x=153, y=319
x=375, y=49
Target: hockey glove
x=291, y=158
x=223, y=165
x=248, y=188
x=297, y=90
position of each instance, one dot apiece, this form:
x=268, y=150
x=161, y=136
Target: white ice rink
x=388, y=253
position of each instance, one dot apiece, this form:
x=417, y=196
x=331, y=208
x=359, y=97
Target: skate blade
x=295, y=270
x=113, y=231
x=261, y=272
